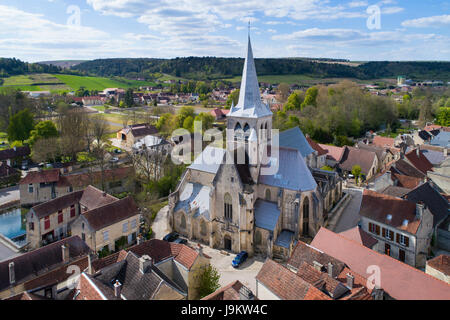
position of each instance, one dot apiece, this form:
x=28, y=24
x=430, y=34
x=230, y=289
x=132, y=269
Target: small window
x=70, y=189
x=133, y=223
x=105, y=235
x=72, y=211
x=30, y=188
x=125, y=227
x=31, y=225
x=388, y=234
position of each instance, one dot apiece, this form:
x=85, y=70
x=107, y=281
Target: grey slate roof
x=437, y=204
x=266, y=214
x=209, y=160
x=442, y=139
x=194, y=195
x=294, y=138
x=435, y=157
x=284, y=239
x=292, y=172
x=249, y=105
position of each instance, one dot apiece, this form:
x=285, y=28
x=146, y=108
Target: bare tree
x=72, y=124
x=148, y=163
x=98, y=128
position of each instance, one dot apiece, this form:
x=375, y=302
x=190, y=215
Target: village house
x=129, y=135
x=384, y=155
x=40, y=269
x=333, y=156
x=93, y=100
x=367, y=160
x=219, y=114
x=109, y=227
x=402, y=228
x=41, y=186
x=13, y=157
x=179, y=263
x=439, y=267
x=233, y=291
x=52, y=220
x=397, y=279
x=8, y=175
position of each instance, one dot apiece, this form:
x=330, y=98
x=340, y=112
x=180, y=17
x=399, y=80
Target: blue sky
x=37, y=30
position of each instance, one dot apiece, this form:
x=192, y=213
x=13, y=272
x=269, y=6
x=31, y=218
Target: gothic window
x=237, y=127
x=246, y=127
x=182, y=221
x=228, y=207
x=306, y=208
x=268, y=196
x=203, y=228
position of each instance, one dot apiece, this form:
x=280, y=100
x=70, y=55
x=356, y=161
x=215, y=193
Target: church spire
x=250, y=104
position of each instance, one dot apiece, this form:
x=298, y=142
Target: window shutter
x=407, y=241
x=377, y=229
x=398, y=238
x=391, y=236
x=371, y=227
x=384, y=232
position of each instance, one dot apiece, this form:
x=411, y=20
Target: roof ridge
x=385, y=255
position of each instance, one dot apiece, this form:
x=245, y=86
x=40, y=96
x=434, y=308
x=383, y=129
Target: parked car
x=239, y=259
x=118, y=151
x=180, y=240
x=114, y=160
x=171, y=237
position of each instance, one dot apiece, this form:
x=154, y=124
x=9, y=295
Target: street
x=350, y=216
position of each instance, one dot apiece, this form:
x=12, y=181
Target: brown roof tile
x=44, y=176
x=354, y=156
x=359, y=235
x=14, y=153
x=229, y=292
x=406, y=181
x=420, y=161
x=383, y=141
x=321, y=151
x=441, y=263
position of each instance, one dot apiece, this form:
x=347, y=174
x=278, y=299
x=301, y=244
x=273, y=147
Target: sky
x=357, y=30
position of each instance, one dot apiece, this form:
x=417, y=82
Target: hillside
x=65, y=64
x=209, y=68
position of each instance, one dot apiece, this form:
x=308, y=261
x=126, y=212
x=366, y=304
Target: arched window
x=246, y=127
x=182, y=222
x=306, y=208
x=203, y=228
x=228, y=207
x=238, y=126
x=268, y=195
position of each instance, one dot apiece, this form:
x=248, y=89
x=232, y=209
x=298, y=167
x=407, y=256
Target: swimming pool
x=11, y=224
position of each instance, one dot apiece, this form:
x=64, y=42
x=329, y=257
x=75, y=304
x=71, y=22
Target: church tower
x=249, y=123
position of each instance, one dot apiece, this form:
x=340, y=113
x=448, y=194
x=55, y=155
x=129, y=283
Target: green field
x=98, y=83
x=296, y=79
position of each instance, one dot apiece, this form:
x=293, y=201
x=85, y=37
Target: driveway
x=350, y=216
x=8, y=195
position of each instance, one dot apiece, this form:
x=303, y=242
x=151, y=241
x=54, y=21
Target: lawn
x=98, y=83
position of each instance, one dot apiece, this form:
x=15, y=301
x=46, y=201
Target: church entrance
x=227, y=243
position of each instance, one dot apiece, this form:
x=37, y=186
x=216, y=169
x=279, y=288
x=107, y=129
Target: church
x=264, y=194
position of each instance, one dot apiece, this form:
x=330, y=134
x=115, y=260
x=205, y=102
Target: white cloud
x=434, y=21
x=356, y=4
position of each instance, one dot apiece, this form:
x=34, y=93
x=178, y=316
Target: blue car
x=239, y=259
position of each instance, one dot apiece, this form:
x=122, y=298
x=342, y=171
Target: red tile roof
x=229, y=292
x=359, y=235
x=321, y=151
x=420, y=161
x=383, y=141
x=334, y=153
x=398, y=279
x=406, y=181
x=44, y=176
x=378, y=206
x=286, y=284
x=441, y=263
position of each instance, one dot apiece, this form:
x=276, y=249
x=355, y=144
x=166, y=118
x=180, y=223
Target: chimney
x=144, y=263
x=420, y=206
x=317, y=266
x=12, y=274
x=65, y=253
x=330, y=269
x=246, y=294
x=445, y=152
x=117, y=288
x=91, y=257
x=418, y=152
x=350, y=281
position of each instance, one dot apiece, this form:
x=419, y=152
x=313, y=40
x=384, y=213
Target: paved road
x=9, y=195
x=350, y=216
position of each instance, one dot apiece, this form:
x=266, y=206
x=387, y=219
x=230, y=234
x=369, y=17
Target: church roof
x=266, y=214
x=292, y=172
x=209, y=160
x=294, y=138
x=249, y=105
x=194, y=196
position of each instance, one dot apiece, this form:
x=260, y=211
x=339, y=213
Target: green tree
x=184, y=113
x=443, y=117
x=208, y=281
x=356, y=171
x=20, y=126
x=232, y=97
x=129, y=101
x=310, y=97
x=206, y=119
x=188, y=123
x=43, y=130
x=294, y=102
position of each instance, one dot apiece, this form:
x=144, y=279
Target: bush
x=209, y=281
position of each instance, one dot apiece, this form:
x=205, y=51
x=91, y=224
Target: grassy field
x=98, y=83
x=297, y=79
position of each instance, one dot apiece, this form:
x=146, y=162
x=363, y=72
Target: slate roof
x=441, y=263
x=354, y=156
x=135, y=284
x=292, y=172
x=266, y=214
x=37, y=262
x=295, y=139
x=395, y=191
x=286, y=284
x=14, y=153
x=143, y=130
x=442, y=139
x=435, y=157
x=359, y=235
x=284, y=239
x=377, y=206
x=194, y=196
x=209, y=160
x=111, y=213
x=398, y=279
x=437, y=204
x=249, y=105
